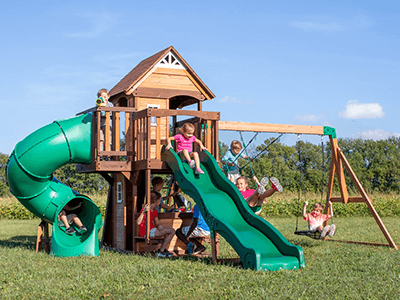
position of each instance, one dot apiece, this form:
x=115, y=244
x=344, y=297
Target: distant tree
x=85, y=183
x=4, y=188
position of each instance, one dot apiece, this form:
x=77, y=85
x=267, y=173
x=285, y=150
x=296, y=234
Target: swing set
x=338, y=164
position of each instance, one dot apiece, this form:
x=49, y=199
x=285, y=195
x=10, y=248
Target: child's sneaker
x=70, y=230
x=323, y=233
x=167, y=253
x=199, y=171
x=161, y=254
x=333, y=229
x=276, y=185
x=190, y=247
x=192, y=164
x=199, y=249
x=82, y=229
x=261, y=189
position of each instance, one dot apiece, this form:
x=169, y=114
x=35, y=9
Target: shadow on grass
x=22, y=241
x=231, y=262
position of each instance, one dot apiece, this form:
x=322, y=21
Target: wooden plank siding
x=169, y=81
x=160, y=124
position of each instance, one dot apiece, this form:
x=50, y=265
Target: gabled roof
x=146, y=65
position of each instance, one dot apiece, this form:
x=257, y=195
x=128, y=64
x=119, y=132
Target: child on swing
x=316, y=219
x=230, y=161
x=255, y=198
x=184, y=146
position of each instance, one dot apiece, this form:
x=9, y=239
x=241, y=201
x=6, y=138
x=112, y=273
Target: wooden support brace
x=42, y=238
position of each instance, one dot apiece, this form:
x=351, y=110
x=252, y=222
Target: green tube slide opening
x=29, y=172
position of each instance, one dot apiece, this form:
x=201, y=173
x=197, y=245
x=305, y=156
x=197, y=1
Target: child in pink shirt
x=316, y=219
x=255, y=198
x=184, y=146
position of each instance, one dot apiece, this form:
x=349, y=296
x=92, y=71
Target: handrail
x=145, y=132
x=156, y=112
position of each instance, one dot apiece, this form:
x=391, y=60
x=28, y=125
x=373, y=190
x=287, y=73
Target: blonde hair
x=246, y=180
x=101, y=91
x=236, y=145
x=154, y=197
x=187, y=127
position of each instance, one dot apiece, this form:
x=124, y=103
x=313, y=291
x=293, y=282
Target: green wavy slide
x=259, y=245
x=30, y=175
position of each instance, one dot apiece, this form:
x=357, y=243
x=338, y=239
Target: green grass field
x=333, y=270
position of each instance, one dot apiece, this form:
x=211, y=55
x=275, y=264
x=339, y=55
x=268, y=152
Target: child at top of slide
x=184, y=146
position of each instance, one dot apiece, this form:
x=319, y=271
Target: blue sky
x=332, y=63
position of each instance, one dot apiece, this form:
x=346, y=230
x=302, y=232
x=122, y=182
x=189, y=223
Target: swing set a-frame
x=338, y=163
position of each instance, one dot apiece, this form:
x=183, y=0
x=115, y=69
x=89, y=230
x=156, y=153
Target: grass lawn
x=333, y=270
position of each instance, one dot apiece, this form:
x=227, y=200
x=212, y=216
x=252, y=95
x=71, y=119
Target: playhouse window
x=120, y=196
x=153, y=120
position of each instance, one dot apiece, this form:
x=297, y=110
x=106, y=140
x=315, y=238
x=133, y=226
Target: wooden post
x=147, y=183
x=214, y=250
x=116, y=132
x=208, y=134
x=367, y=200
x=43, y=237
x=107, y=133
x=339, y=170
x=98, y=128
x=158, y=139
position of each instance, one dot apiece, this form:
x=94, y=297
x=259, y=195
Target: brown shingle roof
x=140, y=70
x=145, y=65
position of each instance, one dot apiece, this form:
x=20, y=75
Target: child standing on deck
x=184, y=146
x=102, y=100
x=156, y=230
x=316, y=219
x=255, y=198
x=230, y=161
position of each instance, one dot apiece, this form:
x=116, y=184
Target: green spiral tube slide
x=29, y=172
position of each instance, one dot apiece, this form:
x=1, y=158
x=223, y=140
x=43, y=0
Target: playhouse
x=155, y=92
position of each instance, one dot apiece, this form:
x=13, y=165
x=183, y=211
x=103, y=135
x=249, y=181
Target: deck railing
x=151, y=133
x=133, y=139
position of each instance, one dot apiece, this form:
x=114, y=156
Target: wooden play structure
x=149, y=102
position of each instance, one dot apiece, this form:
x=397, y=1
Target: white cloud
x=308, y=118
x=99, y=24
x=317, y=26
x=329, y=24
x=356, y=110
x=377, y=134
x=228, y=99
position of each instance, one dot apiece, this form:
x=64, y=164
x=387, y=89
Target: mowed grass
x=333, y=270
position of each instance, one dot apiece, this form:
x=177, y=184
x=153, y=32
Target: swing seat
x=316, y=235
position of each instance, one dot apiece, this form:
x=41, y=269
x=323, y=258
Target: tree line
x=305, y=166
x=302, y=167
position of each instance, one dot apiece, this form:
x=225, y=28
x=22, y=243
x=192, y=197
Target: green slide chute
x=29, y=173
x=259, y=245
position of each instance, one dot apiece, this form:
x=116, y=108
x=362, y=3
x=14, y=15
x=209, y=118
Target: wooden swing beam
x=338, y=163
x=276, y=128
